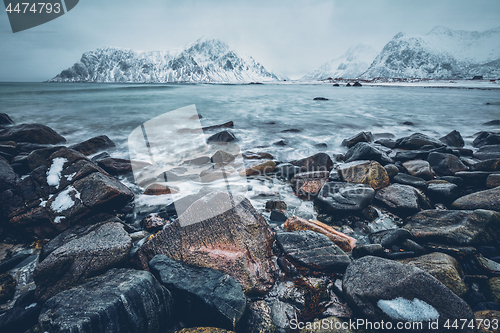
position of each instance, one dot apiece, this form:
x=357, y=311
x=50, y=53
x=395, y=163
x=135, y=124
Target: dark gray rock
x=286, y=170
x=389, y=143
x=276, y=205
x=375, y=285
x=316, y=162
x=122, y=300
x=115, y=166
x=365, y=151
x=417, y=141
x=488, y=152
x=453, y=139
x=405, y=179
x=475, y=179
x=445, y=164
x=403, y=199
x=216, y=298
x=487, y=165
x=495, y=122
x=320, y=99
x=277, y=216
x=307, y=185
x=32, y=133
x=367, y=250
x=486, y=138
x=281, y=143
x=312, y=250
x=493, y=180
x=224, y=136
x=408, y=155
x=419, y=168
x=455, y=227
x=87, y=252
x=337, y=197
x=5, y=119
x=23, y=315
x=487, y=199
x=392, y=170
x=441, y=191
x=8, y=178
x=394, y=237
x=360, y=137
x=40, y=157
x=93, y=145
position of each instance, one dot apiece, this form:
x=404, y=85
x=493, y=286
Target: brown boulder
x=487, y=199
x=258, y=169
x=159, y=189
x=370, y=173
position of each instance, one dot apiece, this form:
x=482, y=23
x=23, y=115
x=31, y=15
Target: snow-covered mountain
x=350, y=65
x=441, y=54
x=205, y=61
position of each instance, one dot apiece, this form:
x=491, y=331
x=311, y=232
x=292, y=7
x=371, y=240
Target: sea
x=262, y=114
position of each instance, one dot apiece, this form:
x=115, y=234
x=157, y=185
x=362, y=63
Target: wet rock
x=32, y=133
x=360, y=137
x=286, y=170
x=275, y=205
x=343, y=241
x=338, y=197
x=7, y=287
x=222, y=157
x=487, y=199
x=259, y=169
x=224, y=136
x=87, y=252
x=228, y=124
x=259, y=318
x=409, y=155
x=392, y=170
x=5, y=119
x=116, y=166
x=320, y=99
x=453, y=139
x=368, y=250
x=488, y=152
x=313, y=250
x=357, y=84
x=307, y=185
x=282, y=313
x=441, y=191
x=122, y=300
x=365, y=151
x=443, y=267
x=445, y=164
x=389, y=143
x=419, y=168
x=217, y=298
x=404, y=199
x=455, y=227
x=486, y=138
x=486, y=165
x=249, y=155
x=474, y=179
x=93, y=145
x=159, y=189
x=23, y=315
x=8, y=178
x=40, y=157
x=386, y=290
x=493, y=180
x=277, y=216
x=417, y=141
x=405, y=179
x=370, y=173
x=281, y=143
x=388, y=238
x=153, y=222
x=215, y=233
x=316, y=162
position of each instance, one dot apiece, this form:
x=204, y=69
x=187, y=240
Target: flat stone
x=405, y=179
x=259, y=169
x=231, y=238
x=488, y=152
x=222, y=157
x=346, y=243
x=122, y=300
x=307, y=185
x=366, y=151
x=118, y=166
x=159, y=189
x=337, y=197
x=443, y=267
x=487, y=199
x=404, y=199
x=87, y=252
x=367, y=250
x=409, y=155
x=441, y=191
x=217, y=298
x=474, y=179
x=445, y=164
x=31, y=133
x=313, y=250
x=370, y=173
x=417, y=141
x=453, y=139
x=93, y=145
x=316, y=162
x=419, y=168
x=487, y=165
x=455, y=227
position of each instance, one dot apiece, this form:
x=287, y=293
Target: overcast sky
x=288, y=37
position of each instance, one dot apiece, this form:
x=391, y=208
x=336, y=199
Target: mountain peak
x=441, y=30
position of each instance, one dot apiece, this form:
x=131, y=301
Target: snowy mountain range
x=204, y=61
x=350, y=65
x=441, y=54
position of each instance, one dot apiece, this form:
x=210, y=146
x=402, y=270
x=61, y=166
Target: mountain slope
x=441, y=54
x=204, y=61
x=350, y=65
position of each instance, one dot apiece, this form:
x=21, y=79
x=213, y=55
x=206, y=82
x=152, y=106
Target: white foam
x=58, y=219
x=404, y=309
x=64, y=201
x=54, y=173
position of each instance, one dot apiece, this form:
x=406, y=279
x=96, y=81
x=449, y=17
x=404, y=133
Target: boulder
x=383, y=289
x=122, y=300
x=276, y=205
x=487, y=199
x=445, y=164
x=443, y=267
x=116, y=166
x=219, y=232
x=487, y=165
x=23, y=316
x=259, y=319
x=159, y=189
x=366, y=151
x=403, y=199
x=360, y=137
x=32, y=133
x=222, y=157
x=8, y=178
x=5, y=119
x=316, y=162
x=389, y=143
x=405, y=179
x=93, y=145
x=307, y=185
x=370, y=173
x=455, y=227
x=228, y=124
x=224, y=136
x=409, y=155
x=259, y=169
x=453, y=139
x=473, y=179
x=286, y=170
x=488, y=152
x=441, y=191
x=392, y=170
x=76, y=260
x=216, y=298
x=312, y=250
x=343, y=241
x=493, y=181
x=338, y=197
x=417, y=141
x=153, y=222
x=486, y=138
x=419, y=168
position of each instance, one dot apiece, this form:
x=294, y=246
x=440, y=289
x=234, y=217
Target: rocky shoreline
x=407, y=232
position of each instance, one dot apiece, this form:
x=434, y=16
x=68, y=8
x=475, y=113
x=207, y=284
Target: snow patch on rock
x=54, y=173
x=64, y=201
